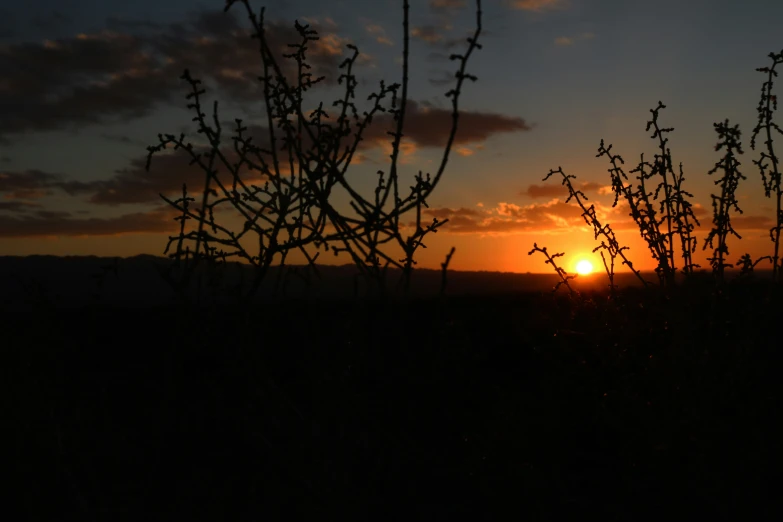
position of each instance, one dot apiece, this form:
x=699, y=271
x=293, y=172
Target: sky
x=88, y=85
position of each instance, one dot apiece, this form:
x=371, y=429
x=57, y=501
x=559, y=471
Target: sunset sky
x=86, y=86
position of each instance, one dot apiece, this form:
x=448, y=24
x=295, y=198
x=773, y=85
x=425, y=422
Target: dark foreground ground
x=524, y=407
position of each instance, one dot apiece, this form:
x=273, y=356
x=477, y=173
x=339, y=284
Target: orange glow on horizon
x=474, y=252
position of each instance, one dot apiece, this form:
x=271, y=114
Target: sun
x=584, y=267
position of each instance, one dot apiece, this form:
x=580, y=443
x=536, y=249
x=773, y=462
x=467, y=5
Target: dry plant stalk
x=303, y=166
x=642, y=210
x=550, y=259
x=721, y=205
x=768, y=162
x=444, y=267
x=676, y=209
x=747, y=265
x=674, y=213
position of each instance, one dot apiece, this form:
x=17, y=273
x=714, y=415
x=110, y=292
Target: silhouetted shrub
x=303, y=167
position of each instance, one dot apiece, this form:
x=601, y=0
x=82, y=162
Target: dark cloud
x=168, y=171
x=18, y=206
x=544, y=191
x=29, y=184
x=36, y=184
x=46, y=88
x=114, y=23
x=114, y=75
x=378, y=33
x=428, y=33
x=752, y=222
x=426, y=126
x=447, y=5
x=437, y=57
x=122, y=138
x=435, y=36
x=558, y=191
x=430, y=126
x=590, y=186
x=51, y=224
x=444, y=78
x=52, y=214
x=449, y=213
x=134, y=184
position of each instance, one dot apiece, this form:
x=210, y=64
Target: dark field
x=516, y=407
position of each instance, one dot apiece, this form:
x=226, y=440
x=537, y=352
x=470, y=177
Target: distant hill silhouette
x=71, y=281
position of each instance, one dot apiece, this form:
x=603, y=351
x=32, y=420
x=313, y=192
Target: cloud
x=51, y=224
x=437, y=57
x=122, y=138
x=699, y=211
x=18, y=206
x=444, y=78
x=752, y=222
x=52, y=214
x=544, y=191
x=553, y=191
x=447, y=213
x=115, y=23
x=447, y=5
x=428, y=33
x=508, y=218
x=48, y=93
x=536, y=5
x=434, y=36
x=168, y=171
x=426, y=126
x=379, y=33
x=564, y=41
x=552, y=216
x=429, y=126
x=324, y=22
x=28, y=184
x=556, y=216
x=115, y=75
x=132, y=184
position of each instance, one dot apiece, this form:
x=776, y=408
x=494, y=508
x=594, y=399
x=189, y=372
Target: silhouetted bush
x=304, y=166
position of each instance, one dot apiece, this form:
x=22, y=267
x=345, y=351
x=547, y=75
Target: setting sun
x=584, y=267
